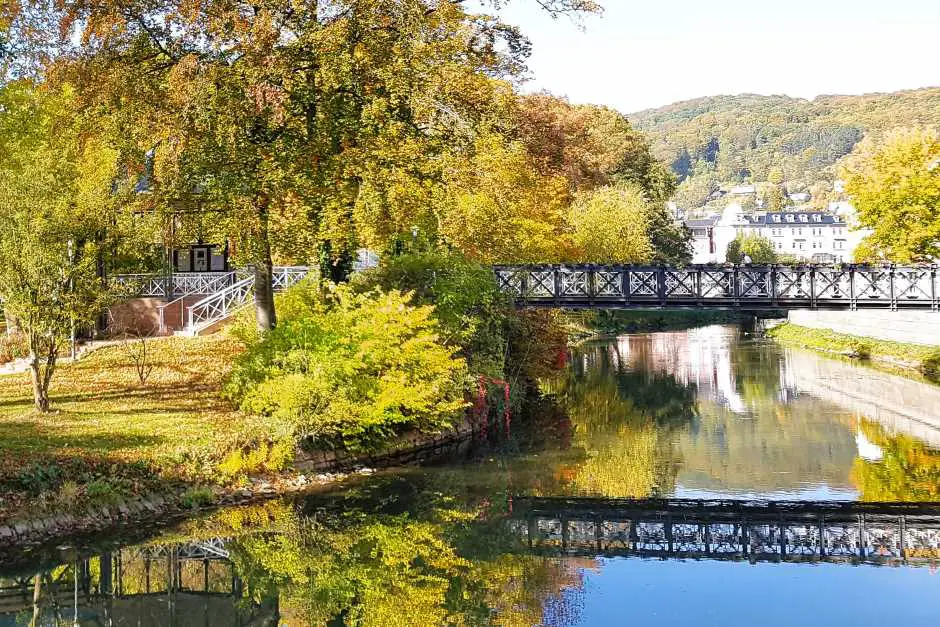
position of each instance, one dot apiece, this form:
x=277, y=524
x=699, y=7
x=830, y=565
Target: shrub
x=101, y=491
x=197, y=497
x=12, y=346
x=860, y=348
x=352, y=369
x=930, y=366
x=471, y=311
x=37, y=478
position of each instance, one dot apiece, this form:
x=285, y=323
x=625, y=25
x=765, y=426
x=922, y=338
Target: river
x=701, y=477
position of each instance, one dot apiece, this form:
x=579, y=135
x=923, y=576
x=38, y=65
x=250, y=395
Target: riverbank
x=112, y=436
x=582, y=324
x=917, y=360
x=118, y=451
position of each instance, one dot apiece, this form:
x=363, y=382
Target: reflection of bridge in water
x=173, y=584
x=851, y=533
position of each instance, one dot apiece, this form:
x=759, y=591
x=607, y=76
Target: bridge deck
x=748, y=287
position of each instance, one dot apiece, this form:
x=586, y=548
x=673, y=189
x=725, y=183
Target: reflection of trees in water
x=907, y=471
x=641, y=429
x=773, y=448
x=350, y=559
x=353, y=558
x=623, y=422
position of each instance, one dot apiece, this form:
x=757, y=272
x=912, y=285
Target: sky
x=648, y=53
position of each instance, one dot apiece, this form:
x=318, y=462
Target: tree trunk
x=264, y=274
x=41, y=368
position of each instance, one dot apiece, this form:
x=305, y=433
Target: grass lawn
x=107, y=427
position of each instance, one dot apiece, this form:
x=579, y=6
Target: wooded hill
x=726, y=139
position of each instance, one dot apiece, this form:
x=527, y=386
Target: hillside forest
x=725, y=140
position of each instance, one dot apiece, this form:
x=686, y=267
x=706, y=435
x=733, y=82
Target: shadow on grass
x=28, y=435
x=154, y=393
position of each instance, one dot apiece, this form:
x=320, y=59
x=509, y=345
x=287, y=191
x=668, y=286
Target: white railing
x=226, y=302
x=189, y=283
x=286, y=276
x=220, y=305
x=147, y=285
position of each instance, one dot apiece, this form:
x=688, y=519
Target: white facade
x=815, y=236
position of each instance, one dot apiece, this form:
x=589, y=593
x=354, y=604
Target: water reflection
x=712, y=413
x=502, y=539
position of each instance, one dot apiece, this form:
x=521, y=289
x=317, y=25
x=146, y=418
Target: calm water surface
x=680, y=422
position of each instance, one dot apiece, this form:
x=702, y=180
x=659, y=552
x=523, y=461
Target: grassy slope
x=914, y=357
x=107, y=426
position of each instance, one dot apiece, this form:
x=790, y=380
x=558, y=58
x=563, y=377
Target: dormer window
x=817, y=218
x=776, y=218
x=789, y=217
x=804, y=218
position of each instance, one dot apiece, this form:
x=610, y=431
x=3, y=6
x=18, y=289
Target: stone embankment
x=321, y=468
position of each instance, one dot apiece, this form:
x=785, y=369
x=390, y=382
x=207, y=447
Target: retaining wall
x=913, y=327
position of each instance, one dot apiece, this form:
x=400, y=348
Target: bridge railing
x=767, y=286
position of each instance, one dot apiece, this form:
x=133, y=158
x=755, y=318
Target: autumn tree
x=57, y=194
x=757, y=248
x=894, y=185
x=496, y=207
x=294, y=120
x=609, y=225
x=590, y=145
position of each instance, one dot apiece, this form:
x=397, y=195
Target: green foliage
x=913, y=357
x=860, y=348
x=758, y=248
x=930, y=366
x=56, y=190
x=895, y=187
x=37, y=478
x=609, y=225
x=498, y=208
x=350, y=369
x=195, y=497
x=470, y=309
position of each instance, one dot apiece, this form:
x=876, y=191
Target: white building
x=815, y=236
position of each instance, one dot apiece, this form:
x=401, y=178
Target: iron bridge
x=747, y=287
x=853, y=533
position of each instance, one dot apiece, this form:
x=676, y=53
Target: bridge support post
x=556, y=284
x=853, y=297
x=934, y=296
x=661, y=285
x=812, y=288
x=591, y=287
x=773, y=285
x=891, y=283
x=625, y=282
x=736, y=286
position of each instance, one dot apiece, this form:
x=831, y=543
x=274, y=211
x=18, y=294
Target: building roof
x=808, y=218
x=700, y=222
